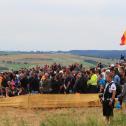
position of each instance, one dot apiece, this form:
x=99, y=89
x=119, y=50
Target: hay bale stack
x=51, y=101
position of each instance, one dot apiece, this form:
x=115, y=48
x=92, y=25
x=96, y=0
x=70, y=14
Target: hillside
x=16, y=61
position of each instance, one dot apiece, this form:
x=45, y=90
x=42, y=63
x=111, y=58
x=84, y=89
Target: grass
x=58, y=117
x=93, y=120
x=119, y=120
x=14, y=66
x=18, y=66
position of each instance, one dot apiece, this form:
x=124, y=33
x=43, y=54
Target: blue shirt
x=102, y=82
x=116, y=80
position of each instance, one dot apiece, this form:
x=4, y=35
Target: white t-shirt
x=111, y=88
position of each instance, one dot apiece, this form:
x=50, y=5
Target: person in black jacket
x=34, y=84
x=79, y=83
x=24, y=83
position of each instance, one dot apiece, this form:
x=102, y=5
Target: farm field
x=17, y=61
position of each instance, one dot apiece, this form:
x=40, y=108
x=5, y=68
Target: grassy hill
x=18, y=60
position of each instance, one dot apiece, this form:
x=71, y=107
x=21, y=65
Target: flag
x=123, y=39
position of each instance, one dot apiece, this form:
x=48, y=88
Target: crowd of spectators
x=59, y=79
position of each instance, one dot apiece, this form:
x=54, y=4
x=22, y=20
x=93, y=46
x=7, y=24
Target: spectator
x=92, y=82
x=57, y=78
x=101, y=83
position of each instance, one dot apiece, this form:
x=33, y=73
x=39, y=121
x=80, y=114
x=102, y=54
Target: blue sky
x=61, y=24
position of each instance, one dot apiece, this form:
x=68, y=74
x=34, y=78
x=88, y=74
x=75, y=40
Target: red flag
x=123, y=39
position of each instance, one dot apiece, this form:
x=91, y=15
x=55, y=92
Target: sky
x=50, y=25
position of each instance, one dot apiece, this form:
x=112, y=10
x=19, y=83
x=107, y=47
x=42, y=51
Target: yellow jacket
x=93, y=80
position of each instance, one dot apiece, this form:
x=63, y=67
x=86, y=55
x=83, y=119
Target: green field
x=18, y=61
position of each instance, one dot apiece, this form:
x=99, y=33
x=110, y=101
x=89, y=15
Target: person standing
x=92, y=82
x=108, y=99
x=122, y=80
x=101, y=83
x=34, y=84
x=122, y=96
x=79, y=84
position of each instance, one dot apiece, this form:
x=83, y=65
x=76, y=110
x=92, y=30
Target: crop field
x=17, y=61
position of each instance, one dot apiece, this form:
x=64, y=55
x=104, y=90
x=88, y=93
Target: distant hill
x=110, y=54
x=113, y=54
